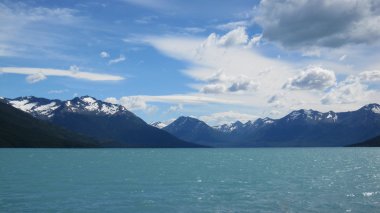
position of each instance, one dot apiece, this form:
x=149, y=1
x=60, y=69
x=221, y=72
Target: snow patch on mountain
x=332, y=116
x=376, y=109
x=24, y=105
x=158, y=124
x=229, y=127
x=45, y=108
x=110, y=110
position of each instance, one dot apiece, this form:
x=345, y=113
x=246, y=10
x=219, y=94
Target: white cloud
x=227, y=117
x=311, y=78
x=215, y=67
x=72, y=73
x=370, y=76
x=255, y=40
x=243, y=84
x=175, y=108
x=342, y=58
x=35, y=77
x=232, y=25
x=104, y=54
x=347, y=91
x=112, y=100
x=194, y=99
x=234, y=37
x=221, y=83
x=132, y=103
x=117, y=60
x=19, y=19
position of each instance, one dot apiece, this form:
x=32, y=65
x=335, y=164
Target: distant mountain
x=19, y=129
x=101, y=120
x=196, y=131
x=158, y=124
x=301, y=128
x=229, y=127
x=373, y=142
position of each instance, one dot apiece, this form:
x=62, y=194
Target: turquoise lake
x=190, y=180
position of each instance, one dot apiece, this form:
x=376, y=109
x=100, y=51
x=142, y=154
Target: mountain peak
x=374, y=107
x=304, y=114
x=158, y=124
x=229, y=127
x=187, y=122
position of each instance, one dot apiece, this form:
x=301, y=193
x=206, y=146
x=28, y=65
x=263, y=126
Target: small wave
x=369, y=194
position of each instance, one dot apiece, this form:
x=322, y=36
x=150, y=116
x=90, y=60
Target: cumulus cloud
x=234, y=37
x=326, y=23
x=104, y=54
x=73, y=72
x=227, y=117
x=243, y=85
x=370, y=76
x=312, y=78
x=233, y=74
x=221, y=83
x=348, y=91
x=117, y=60
x=35, y=77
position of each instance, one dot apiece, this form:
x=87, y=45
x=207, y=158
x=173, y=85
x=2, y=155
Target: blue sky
x=219, y=61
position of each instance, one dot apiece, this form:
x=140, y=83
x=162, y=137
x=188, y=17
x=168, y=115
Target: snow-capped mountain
x=311, y=115
x=298, y=128
x=46, y=109
x=98, y=119
x=158, y=124
x=375, y=108
x=229, y=127
x=38, y=107
x=112, y=122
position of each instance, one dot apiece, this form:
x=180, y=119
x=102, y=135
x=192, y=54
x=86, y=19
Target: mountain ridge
x=113, y=122
x=101, y=120
x=318, y=128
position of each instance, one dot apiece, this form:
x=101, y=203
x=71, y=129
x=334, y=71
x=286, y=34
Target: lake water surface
x=190, y=180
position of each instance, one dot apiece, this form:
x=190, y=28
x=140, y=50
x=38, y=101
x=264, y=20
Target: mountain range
x=301, y=128
x=112, y=125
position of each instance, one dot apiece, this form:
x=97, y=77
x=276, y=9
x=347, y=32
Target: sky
x=219, y=61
